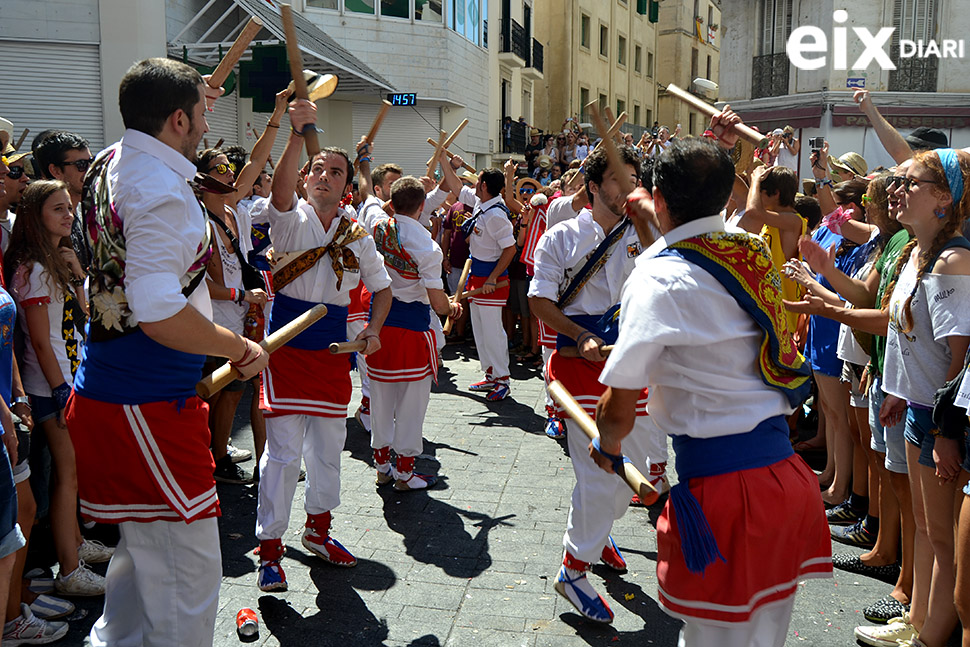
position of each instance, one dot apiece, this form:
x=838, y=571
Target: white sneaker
x=28, y=629
x=888, y=635
x=83, y=582
x=94, y=552
x=237, y=454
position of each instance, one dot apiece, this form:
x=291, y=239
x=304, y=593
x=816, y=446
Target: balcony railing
x=913, y=74
x=514, y=137
x=769, y=75
x=515, y=40
x=536, y=61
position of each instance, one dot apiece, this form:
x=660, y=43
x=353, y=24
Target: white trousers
x=319, y=442
x=490, y=339
x=354, y=328
x=768, y=627
x=162, y=586
x=600, y=498
x=546, y=354
x=397, y=412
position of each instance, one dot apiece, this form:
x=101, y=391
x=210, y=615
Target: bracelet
x=248, y=358
x=77, y=281
x=296, y=132
x=22, y=399
x=60, y=394
x=232, y=294
x=365, y=159
x=583, y=336
x=825, y=182
x=271, y=125
x=240, y=296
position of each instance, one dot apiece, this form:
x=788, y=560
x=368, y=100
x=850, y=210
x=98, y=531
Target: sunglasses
x=907, y=182
x=526, y=191
x=866, y=200
x=15, y=172
x=222, y=169
x=81, y=165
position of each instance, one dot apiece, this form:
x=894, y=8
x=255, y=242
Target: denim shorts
x=919, y=424
x=43, y=408
x=886, y=441
x=11, y=539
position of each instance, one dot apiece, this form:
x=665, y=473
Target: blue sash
x=603, y=326
x=765, y=445
x=331, y=328
x=409, y=315
x=484, y=268
x=115, y=371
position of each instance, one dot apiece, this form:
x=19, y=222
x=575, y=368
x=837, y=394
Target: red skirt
x=769, y=524
x=497, y=299
x=310, y=382
x=547, y=336
x=405, y=356
x=359, y=308
x=146, y=462
x=581, y=378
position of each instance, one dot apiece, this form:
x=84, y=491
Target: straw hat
x=850, y=162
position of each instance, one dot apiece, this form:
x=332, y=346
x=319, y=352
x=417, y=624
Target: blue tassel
x=696, y=539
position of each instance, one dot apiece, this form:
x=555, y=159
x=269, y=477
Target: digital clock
x=403, y=99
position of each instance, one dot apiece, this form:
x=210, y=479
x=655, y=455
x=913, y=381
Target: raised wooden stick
x=225, y=374
x=622, y=178
x=464, y=164
x=613, y=128
x=378, y=120
x=457, y=296
x=235, y=52
x=221, y=141
x=340, y=347
x=452, y=136
x=437, y=153
x=631, y=475
x=705, y=108
x=21, y=139
x=296, y=71
x=573, y=351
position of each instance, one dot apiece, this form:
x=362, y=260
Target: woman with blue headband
x=928, y=305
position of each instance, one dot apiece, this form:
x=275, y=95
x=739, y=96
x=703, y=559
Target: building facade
x=759, y=81
x=603, y=50
x=688, y=46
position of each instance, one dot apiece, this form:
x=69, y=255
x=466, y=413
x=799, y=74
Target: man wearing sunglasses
x=14, y=183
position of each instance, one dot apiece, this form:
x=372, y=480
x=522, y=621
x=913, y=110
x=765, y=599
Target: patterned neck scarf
x=341, y=258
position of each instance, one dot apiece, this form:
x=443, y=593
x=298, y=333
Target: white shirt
x=434, y=199
x=163, y=225
x=687, y=339
x=370, y=213
x=559, y=210
x=6, y=227
x=493, y=231
x=229, y=314
x=31, y=286
x=416, y=240
x=298, y=230
x=562, y=252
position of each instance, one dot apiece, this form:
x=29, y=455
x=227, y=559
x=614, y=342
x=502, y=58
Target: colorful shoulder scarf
x=388, y=241
x=111, y=317
x=285, y=270
x=742, y=264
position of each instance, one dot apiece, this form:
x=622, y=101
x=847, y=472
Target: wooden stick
x=21, y=139
x=235, y=52
x=707, y=109
x=464, y=164
x=452, y=136
x=296, y=70
x=457, y=296
x=631, y=475
x=437, y=152
x=573, y=351
x=340, y=347
x=221, y=141
x=614, y=128
x=225, y=374
x=205, y=140
x=622, y=178
x=608, y=113
x=374, y=127
x=477, y=291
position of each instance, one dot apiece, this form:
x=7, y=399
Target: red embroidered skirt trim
x=581, y=379
x=147, y=462
x=769, y=524
x=310, y=382
x=405, y=356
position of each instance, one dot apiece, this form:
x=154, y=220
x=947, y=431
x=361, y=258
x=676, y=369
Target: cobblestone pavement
x=473, y=561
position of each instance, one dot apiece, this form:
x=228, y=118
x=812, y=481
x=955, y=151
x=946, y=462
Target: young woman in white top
x=47, y=281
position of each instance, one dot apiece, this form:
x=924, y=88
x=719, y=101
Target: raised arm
x=756, y=214
x=302, y=114
x=888, y=136
x=261, y=149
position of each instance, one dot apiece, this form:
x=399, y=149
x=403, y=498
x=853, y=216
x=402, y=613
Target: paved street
x=471, y=562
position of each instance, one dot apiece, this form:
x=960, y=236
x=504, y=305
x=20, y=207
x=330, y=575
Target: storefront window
x=360, y=6
x=427, y=10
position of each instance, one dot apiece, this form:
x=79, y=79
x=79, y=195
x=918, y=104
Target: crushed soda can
x=247, y=623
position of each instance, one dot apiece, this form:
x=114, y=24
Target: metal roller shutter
x=283, y=134
x=38, y=90
x=401, y=139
